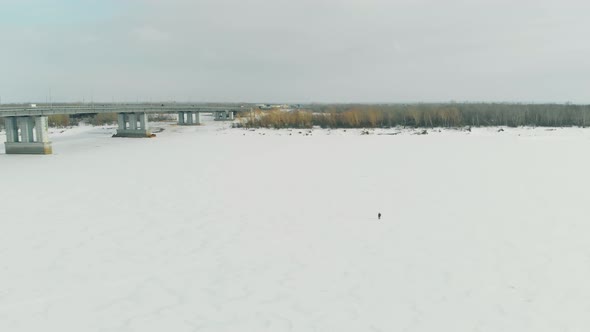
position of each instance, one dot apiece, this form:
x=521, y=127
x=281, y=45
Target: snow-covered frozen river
x=219, y=230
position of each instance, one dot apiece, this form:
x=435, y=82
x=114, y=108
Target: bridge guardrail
x=110, y=108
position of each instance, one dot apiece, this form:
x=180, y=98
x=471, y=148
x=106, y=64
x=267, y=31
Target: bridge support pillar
x=224, y=115
x=133, y=125
x=189, y=118
x=27, y=135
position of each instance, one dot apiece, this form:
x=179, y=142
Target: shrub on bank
x=277, y=119
x=423, y=115
x=101, y=119
x=162, y=117
x=58, y=120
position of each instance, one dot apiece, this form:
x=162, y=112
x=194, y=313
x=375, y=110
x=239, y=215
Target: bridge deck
x=27, y=110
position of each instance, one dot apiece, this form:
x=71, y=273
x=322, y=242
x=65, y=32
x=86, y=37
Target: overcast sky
x=295, y=50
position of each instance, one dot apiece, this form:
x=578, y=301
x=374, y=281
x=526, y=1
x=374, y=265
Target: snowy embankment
x=215, y=229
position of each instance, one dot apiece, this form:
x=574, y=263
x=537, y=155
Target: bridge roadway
x=44, y=110
x=27, y=125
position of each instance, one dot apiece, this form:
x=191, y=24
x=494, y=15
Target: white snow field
x=215, y=229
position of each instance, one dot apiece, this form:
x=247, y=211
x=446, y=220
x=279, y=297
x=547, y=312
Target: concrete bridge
x=27, y=125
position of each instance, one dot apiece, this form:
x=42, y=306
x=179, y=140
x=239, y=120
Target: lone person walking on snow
x=379, y=215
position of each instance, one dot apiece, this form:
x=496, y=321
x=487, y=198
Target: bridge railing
x=113, y=108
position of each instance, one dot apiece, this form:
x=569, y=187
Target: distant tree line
x=276, y=119
x=422, y=115
x=64, y=120
x=391, y=115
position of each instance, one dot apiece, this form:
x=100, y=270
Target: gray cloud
x=300, y=51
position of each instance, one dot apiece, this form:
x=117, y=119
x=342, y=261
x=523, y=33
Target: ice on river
x=215, y=229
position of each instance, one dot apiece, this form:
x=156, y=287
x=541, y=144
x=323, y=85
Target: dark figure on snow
x=379, y=215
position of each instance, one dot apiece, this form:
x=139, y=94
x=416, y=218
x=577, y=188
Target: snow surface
x=210, y=228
